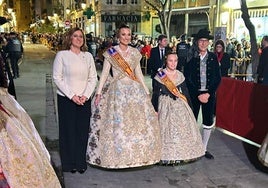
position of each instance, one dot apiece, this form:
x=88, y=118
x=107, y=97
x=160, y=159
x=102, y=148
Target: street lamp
x=83, y=6
x=68, y=11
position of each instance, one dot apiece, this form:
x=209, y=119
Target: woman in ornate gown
x=124, y=131
x=263, y=151
x=24, y=160
x=181, y=138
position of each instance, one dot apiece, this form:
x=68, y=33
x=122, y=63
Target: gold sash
x=170, y=85
x=121, y=62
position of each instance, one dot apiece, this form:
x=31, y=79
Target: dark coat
x=225, y=64
x=192, y=75
x=263, y=65
x=154, y=62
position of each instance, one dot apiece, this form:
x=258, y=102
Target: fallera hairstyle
x=68, y=40
x=170, y=53
x=122, y=26
x=161, y=37
x=219, y=42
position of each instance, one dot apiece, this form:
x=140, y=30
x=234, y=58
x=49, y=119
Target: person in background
x=202, y=75
x=24, y=159
x=91, y=44
x=240, y=60
x=182, y=52
x=146, y=49
x=222, y=57
x=14, y=49
x=124, y=130
x=75, y=76
x=262, y=69
x=7, y=71
x=157, y=58
x=181, y=139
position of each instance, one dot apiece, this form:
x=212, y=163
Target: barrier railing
x=239, y=68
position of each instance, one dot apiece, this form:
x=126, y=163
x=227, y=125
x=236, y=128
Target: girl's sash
x=121, y=63
x=170, y=85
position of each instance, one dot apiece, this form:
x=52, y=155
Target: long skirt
x=124, y=130
x=181, y=138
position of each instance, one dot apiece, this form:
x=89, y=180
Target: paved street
x=231, y=167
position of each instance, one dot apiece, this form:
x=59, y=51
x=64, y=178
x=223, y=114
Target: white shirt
x=74, y=74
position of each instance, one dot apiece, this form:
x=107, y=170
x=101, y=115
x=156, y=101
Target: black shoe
x=209, y=155
x=73, y=171
x=82, y=171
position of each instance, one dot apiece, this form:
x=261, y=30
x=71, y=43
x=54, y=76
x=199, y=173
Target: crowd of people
x=115, y=122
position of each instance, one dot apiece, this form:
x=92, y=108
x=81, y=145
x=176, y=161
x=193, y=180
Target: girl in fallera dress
x=124, y=131
x=180, y=136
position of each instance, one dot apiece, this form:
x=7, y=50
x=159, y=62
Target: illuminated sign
x=120, y=18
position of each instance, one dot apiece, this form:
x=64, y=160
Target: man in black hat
x=202, y=74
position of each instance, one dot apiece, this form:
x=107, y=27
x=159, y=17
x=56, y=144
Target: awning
x=253, y=13
x=191, y=10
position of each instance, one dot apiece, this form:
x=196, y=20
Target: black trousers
x=73, y=133
x=14, y=58
x=207, y=109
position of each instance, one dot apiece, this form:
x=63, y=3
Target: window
x=134, y=1
x=121, y=1
x=109, y=2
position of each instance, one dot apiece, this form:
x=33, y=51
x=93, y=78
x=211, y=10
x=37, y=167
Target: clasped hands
x=203, y=98
x=79, y=100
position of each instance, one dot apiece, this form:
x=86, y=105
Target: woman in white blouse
x=75, y=76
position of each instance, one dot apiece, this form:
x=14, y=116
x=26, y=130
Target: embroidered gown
x=24, y=160
x=124, y=131
x=263, y=151
x=181, y=138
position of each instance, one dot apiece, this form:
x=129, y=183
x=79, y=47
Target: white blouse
x=74, y=74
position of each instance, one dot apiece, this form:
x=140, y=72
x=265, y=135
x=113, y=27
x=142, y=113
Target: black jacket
x=192, y=75
x=161, y=89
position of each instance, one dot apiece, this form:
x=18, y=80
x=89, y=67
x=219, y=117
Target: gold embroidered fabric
x=24, y=161
x=124, y=131
x=181, y=138
x=263, y=151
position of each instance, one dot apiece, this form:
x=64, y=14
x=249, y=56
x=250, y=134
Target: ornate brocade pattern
x=124, y=130
x=263, y=151
x=23, y=160
x=181, y=139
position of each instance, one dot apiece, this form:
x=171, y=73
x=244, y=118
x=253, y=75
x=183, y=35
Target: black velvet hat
x=203, y=33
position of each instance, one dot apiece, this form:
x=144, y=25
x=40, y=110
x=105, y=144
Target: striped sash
x=121, y=62
x=170, y=85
